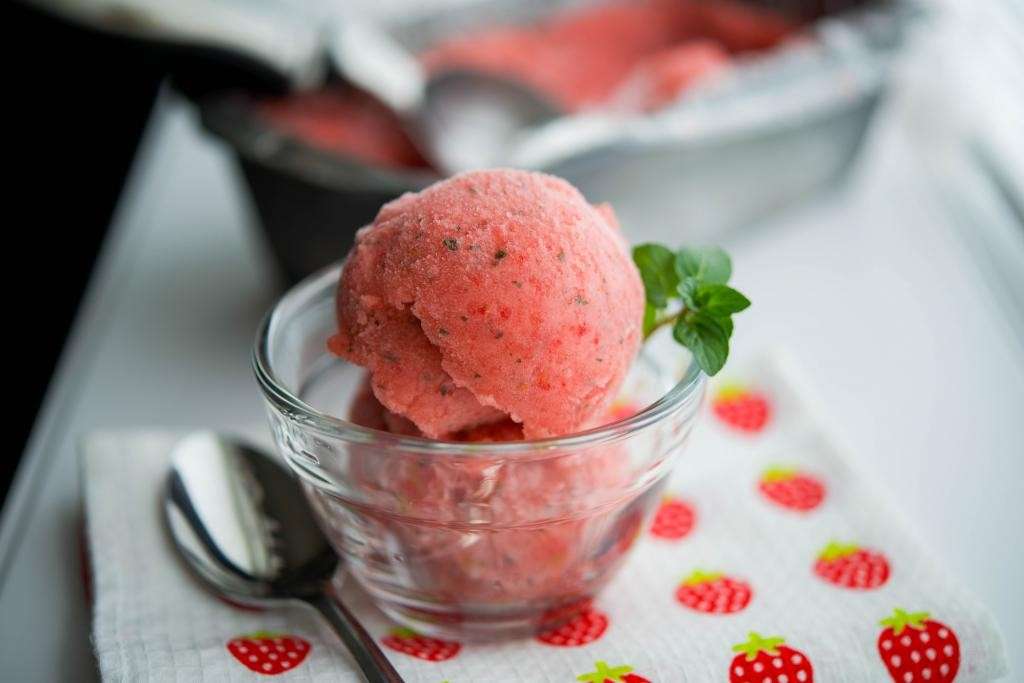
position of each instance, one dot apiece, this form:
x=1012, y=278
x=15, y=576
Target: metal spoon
x=472, y=120
x=244, y=527
x=459, y=119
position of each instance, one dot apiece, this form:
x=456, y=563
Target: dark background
x=77, y=103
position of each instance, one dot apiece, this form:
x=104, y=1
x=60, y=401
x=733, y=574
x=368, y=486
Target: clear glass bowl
x=467, y=540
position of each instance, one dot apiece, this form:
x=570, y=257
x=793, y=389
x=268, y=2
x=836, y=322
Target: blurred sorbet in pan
x=637, y=55
x=580, y=57
x=658, y=79
x=345, y=121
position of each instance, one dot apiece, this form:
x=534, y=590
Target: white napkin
x=152, y=622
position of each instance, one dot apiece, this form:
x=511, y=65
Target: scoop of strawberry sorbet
x=490, y=296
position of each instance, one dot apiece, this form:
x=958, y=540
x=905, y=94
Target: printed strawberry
x=915, y=648
x=851, y=566
x=611, y=674
x=767, y=659
x=584, y=628
x=792, y=489
x=269, y=653
x=741, y=408
x=409, y=642
x=673, y=520
x=714, y=593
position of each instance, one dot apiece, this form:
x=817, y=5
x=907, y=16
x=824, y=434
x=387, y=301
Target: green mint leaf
x=707, y=264
x=706, y=337
x=658, y=272
x=687, y=290
x=697, y=278
x=650, y=319
x=719, y=300
x=726, y=323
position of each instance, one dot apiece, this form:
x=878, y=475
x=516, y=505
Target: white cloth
x=152, y=622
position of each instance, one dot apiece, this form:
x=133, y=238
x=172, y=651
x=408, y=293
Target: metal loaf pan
x=775, y=129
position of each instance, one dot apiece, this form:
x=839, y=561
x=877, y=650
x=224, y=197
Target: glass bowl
x=468, y=541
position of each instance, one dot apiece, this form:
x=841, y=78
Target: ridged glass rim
x=284, y=400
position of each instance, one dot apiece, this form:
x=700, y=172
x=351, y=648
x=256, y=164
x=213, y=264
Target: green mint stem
x=662, y=322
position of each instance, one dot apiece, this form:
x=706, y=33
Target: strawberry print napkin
x=770, y=560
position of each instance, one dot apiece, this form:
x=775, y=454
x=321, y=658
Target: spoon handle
x=371, y=660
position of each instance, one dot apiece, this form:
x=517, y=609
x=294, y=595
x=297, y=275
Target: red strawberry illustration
x=851, y=566
x=792, y=489
x=915, y=648
x=269, y=653
x=714, y=593
x=738, y=407
x=767, y=659
x=409, y=642
x=673, y=520
x=611, y=674
x=584, y=628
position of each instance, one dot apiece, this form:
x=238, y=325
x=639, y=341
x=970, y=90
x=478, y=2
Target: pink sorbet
x=577, y=57
x=581, y=57
x=663, y=77
x=744, y=27
x=488, y=296
x=345, y=121
x=562, y=560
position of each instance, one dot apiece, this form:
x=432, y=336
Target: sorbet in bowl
x=465, y=539
x=468, y=404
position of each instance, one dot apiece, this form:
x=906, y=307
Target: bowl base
x=482, y=627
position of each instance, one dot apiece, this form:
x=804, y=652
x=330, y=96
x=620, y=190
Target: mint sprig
x=687, y=289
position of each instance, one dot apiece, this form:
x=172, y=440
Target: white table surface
x=915, y=361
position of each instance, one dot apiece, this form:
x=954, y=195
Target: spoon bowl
x=471, y=120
